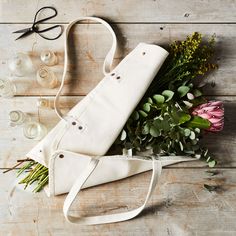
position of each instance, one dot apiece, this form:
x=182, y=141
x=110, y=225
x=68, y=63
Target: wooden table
x=181, y=204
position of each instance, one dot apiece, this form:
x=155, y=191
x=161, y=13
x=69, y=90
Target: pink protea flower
x=212, y=111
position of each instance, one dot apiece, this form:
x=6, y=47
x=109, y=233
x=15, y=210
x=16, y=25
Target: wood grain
x=180, y=205
x=14, y=145
x=124, y=10
x=90, y=43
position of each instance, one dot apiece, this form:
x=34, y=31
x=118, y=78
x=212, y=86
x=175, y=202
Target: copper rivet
x=61, y=156
x=73, y=123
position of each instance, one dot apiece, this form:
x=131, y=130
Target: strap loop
x=107, y=62
x=104, y=219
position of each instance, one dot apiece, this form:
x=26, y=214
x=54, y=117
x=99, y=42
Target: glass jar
x=7, y=88
x=34, y=130
x=20, y=64
x=18, y=118
x=49, y=58
x=44, y=103
x=46, y=77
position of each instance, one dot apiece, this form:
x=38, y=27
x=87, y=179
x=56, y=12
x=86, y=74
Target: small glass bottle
x=7, y=88
x=18, y=118
x=44, y=103
x=49, y=58
x=34, y=130
x=20, y=64
x=46, y=77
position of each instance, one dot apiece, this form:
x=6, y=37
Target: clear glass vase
x=20, y=64
x=44, y=103
x=7, y=88
x=46, y=77
x=34, y=130
x=49, y=58
x=18, y=118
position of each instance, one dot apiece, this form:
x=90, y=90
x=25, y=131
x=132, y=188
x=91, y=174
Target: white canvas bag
x=74, y=149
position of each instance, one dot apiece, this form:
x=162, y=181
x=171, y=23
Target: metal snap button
x=61, y=156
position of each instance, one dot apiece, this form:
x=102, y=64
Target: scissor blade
x=25, y=34
x=22, y=30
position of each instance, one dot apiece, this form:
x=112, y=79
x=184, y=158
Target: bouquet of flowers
x=173, y=114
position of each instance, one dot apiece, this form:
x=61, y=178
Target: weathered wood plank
x=14, y=146
x=125, y=10
x=89, y=44
x=180, y=205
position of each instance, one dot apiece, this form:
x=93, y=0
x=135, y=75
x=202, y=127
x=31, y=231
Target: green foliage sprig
x=162, y=121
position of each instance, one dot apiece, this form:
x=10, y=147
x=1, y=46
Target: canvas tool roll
x=74, y=149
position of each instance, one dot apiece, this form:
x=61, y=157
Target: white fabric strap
x=107, y=62
x=103, y=219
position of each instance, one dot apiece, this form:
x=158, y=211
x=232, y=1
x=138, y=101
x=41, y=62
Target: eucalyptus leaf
x=198, y=122
x=150, y=100
x=192, y=135
x=123, y=135
x=183, y=90
x=135, y=115
x=145, y=129
x=154, y=131
x=146, y=107
x=168, y=94
x=181, y=146
x=197, y=130
x=187, y=132
x=159, y=98
x=143, y=113
x=212, y=163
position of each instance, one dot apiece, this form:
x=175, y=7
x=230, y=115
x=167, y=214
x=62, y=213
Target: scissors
x=35, y=28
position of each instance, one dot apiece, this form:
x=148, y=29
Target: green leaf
x=192, y=135
x=168, y=94
x=146, y=107
x=154, y=131
x=159, y=98
x=150, y=101
x=143, y=113
x=184, y=118
x=180, y=117
x=187, y=132
x=198, y=101
x=197, y=130
x=197, y=93
x=165, y=125
x=123, y=135
x=183, y=90
x=135, y=115
x=212, y=163
x=145, y=129
x=198, y=122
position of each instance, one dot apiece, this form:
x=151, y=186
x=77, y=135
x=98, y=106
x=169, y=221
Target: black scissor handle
x=47, y=18
x=53, y=27
x=36, y=28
